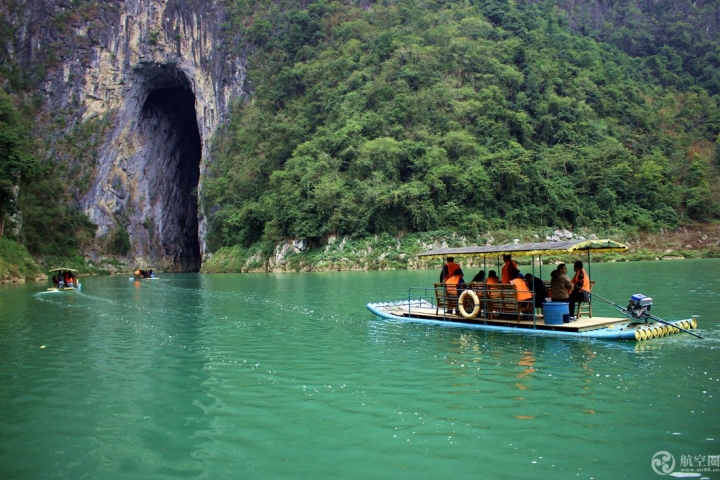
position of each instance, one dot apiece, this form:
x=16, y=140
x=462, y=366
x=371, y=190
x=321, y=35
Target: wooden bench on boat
x=495, y=300
x=503, y=298
x=498, y=301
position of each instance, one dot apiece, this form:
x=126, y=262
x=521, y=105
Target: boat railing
x=493, y=301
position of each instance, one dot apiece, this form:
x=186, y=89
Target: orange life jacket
x=505, y=272
x=450, y=270
x=491, y=280
x=451, y=285
x=522, y=290
x=585, y=282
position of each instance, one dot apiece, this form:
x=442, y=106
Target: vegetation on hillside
x=677, y=41
x=369, y=118
x=35, y=209
x=16, y=262
x=16, y=163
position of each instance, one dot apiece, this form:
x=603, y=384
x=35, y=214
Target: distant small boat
x=144, y=274
x=65, y=279
x=497, y=308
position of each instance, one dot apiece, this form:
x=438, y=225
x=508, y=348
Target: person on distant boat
x=492, y=278
x=448, y=268
x=454, y=286
x=69, y=280
x=560, y=285
x=537, y=285
x=479, y=277
x=580, y=287
x=56, y=282
x=505, y=271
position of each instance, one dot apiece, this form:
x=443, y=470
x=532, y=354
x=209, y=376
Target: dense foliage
x=402, y=116
x=16, y=163
x=676, y=40
x=50, y=222
x=16, y=262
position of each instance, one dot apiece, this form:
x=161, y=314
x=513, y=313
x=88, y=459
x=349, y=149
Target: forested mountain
x=677, y=41
x=360, y=117
x=398, y=116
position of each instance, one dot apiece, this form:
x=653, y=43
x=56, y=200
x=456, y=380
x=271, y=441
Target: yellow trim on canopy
x=64, y=269
x=528, y=249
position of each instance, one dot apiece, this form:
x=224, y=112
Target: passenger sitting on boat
x=523, y=293
x=538, y=287
x=454, y=286
x=69, y=279
x=560, y=285
x=505, y=271
x=492, y=278
x=448, y=269
x=581, y=286
x=479, y=277
x=55, y=281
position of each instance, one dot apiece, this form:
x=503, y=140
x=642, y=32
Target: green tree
x=16, y=163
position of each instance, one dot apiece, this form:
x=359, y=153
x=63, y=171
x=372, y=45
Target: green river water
x=287, y=376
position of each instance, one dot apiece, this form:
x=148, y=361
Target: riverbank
x=16, y=264
x=383, y=252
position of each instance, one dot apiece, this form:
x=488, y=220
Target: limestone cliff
x=162, y=74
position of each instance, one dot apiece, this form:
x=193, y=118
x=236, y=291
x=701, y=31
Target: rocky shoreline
x=387, y=253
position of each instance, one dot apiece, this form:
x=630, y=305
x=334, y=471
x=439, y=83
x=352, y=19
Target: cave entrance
x=172, y=153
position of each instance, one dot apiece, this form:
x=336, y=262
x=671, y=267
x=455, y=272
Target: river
x=274, y=376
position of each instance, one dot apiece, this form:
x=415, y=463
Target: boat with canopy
x=497, y=307
x=65, y=279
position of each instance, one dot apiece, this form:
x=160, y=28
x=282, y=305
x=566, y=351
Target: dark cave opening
x=172, y=155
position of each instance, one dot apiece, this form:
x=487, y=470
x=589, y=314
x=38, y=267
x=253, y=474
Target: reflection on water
x=287, y=376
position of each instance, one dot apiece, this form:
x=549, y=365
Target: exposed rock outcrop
x=164, y=72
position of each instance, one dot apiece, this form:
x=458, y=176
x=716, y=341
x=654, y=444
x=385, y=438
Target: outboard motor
x=639, y=305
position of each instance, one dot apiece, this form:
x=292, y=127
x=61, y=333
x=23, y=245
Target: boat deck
x=580, y=325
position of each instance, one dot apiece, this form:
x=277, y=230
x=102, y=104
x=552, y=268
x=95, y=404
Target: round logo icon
x=663, y=462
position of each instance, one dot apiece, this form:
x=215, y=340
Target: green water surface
x=276, y=376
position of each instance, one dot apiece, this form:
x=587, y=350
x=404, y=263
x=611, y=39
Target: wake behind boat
x=498, y=307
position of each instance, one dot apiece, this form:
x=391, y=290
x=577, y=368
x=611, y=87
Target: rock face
x=164, y=71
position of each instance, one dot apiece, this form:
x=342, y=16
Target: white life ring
x=476, y=304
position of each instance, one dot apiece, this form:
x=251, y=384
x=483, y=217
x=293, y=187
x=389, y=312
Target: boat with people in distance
x=144, y=274
x=515, y=306
x=65, y=279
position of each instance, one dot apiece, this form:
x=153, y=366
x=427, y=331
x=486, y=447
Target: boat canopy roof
x=528, y=249
x=65, y=269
